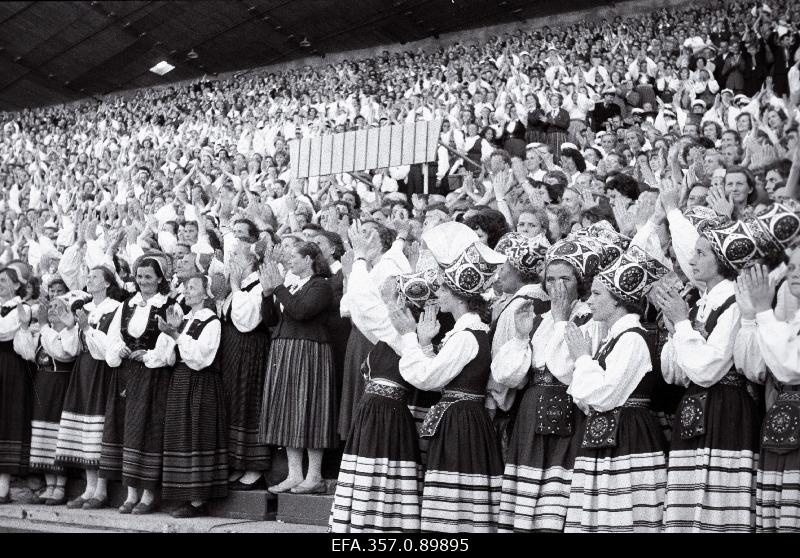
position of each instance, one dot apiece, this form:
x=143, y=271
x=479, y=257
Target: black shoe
x=95, y=504
x=143, y=509
x=56, y=501
x=188, y=511
x=77, y=503
x=5, y=499
x=260, y=484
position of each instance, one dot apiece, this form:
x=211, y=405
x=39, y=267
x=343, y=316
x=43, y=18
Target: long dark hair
x=476, y=304
x=14, y=276
x=152, y=263
x=318, y=264
x=113, y=291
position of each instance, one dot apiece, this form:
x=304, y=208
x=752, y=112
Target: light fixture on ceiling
x=192, y=54
x=305, y=42
x=162, y=68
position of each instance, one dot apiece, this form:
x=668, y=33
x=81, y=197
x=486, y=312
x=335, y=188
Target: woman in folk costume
x=556, y=123
x=620, y=471
x=767, y=350
x=16, y=386
x=297, y=410
x=195, y=433
x=543, y=445
x=714, y=447
x=519, y=279
x=80, y=431
x=464, y=468
x=244, y=350
x=53, y=352
x=134, y=431
x=380, y=478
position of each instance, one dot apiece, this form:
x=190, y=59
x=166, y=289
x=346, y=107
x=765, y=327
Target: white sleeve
x=367, y=310
x=9, y=324
x=61, y=345
x=162, y=355
x=511, y=365
x=246, y=309
x=603, y=390
x=25, y=343
x=69, y=267
x=684, y=239
x=706, y=361
x=746, y=353
x=96, y=342
x=780, y=347
x=647, y=239
x=432, y=372
x=673, y=374
x=558, y=359
x=114, y=342
x=200, y=353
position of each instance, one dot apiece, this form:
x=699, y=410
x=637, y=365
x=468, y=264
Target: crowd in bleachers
x=583, y=315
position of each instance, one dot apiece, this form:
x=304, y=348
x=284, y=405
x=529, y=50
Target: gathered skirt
x=620, y=489
x=380, y=478
x=16, y=407
x=49, y=390
x=80, y=430
x=195, y=436
x=358, y=347
x=297, y=410
x=243, y=362
x=711, y=480
x=461, y=491
x=538, y=470
x=114, y=422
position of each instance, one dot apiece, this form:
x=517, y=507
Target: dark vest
x=706, y=328
x=475, y=375
x=46, y=363
x=194, y=331
x=102, y=325
x=148, y=339
x=382, y=362
x=648, y=383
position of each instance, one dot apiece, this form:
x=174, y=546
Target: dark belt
x=733, y=379
x=789, y=396
x=638, y=402
x=392, y=392
x=543, y=377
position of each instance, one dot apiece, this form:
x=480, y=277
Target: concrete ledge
x=305, y=509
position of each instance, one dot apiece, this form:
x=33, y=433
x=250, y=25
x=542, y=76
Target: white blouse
x=510, y=365
x=96, y=340
x=423, y=369
x=594, y=387
x=688, y=357
x=199, y=353
x=777, y=345
x=9, y=324
x=245, y=306
x=154, y=358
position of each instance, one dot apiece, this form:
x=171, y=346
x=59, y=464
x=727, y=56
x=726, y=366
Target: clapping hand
x=270, y=276
x=24, y=314
x=402, y=319
x=578, y=343
x=523, y=320
x=82, y=318
x=671, y=303
x=67, y=318
x=719, y=203
x=560, y=301
x=757, y=288
x=428, y=326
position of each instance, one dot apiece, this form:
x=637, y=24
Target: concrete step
x=39, y=518
x=305, y=509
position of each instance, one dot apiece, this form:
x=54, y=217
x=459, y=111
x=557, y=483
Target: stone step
x=305, y=509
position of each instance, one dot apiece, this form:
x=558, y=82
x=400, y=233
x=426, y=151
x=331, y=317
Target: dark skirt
x=461, y=492
x=711, y=480
x=380, y=478
x=555, y=138
x=49, y=389
x=620, y=489
x=358, y=347
x=243, y=359
x=16, y=407
x=297, y=410
x=195, y=436
x=80, y=431
x=538, y=471
x=535, y=134
x=114, y=424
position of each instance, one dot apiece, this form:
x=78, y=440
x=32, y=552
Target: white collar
x=12, y=303
x=300, y=283
x=470, y=320
x=202, y=314
x=108, y=304
x=335, y=267
x=158, y=300
x=250, y=279
x=626, y=322
x=532, y=289
x=721, y=292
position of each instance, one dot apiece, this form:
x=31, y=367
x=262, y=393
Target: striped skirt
x=49, y=389
x=243, y=360
x=80, y=431
x=380, y=478
x=195, y=436
x=114, y=422
x=620, y=489
x=145, y=410
x=16, y=406
x=555, y=138
x=358, y=347
x=778, y=492
x=298, y=410
x=711, y=480
x=419, y=403
x=538, y=472
x=461, y=493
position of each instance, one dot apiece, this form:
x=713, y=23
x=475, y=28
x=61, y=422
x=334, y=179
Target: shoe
x=259, y=484
x=275, y=490
x=95, y=504
x=56, y=501
x=77, y=503
x=127, y=507
x=143, y=509
x=188, y=511
x=319, y=488
x=5, y=499
x=36, y=500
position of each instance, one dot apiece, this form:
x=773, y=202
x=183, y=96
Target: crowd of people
x=586, y=321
